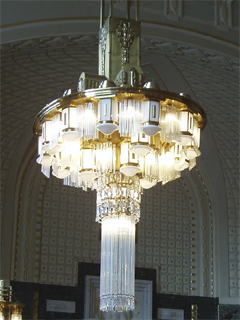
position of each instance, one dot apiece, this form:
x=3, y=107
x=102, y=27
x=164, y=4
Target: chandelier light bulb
x=167, y=159
x=130, y=112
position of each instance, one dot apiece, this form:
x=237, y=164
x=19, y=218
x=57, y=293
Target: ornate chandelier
x=9, y=309
x=118, y=134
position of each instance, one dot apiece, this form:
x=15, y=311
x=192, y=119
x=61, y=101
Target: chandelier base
x=117, y=303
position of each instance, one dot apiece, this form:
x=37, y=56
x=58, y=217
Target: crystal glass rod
x=117, y=277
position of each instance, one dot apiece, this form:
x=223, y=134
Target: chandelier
x=118, y=134
x=9, y=309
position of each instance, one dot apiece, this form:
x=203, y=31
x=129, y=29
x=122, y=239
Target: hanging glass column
x=117, y=276
x=118, y=210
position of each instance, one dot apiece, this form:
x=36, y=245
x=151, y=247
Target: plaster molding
x=148, y=44
x=223, y=14
x=173, y=9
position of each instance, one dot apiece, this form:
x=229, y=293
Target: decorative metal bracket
x=102, y=42
x=126, y=36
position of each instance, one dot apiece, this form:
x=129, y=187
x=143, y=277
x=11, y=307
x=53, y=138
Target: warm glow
x=118, y=225
x=166, y=159
x=129, y=117
x=129, y=113
x=117, y=263
x=118, y=134
x=151, y=158
x=171, y=118
x=16, y=317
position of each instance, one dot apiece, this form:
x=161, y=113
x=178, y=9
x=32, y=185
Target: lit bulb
x=118, y=224
x=90, y=115
x=130, y=112
x=169, y=159
x=71, y=146
x=171, y=118
x=166, y=159
x=151, y=158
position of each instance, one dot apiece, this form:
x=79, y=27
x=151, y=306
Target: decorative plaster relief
x=224, y=14
x=173, y=9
